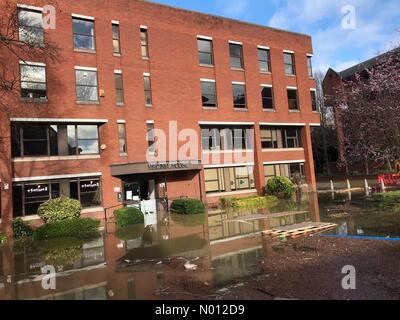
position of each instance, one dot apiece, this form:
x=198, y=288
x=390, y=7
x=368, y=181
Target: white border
x=143, y=27
x=207, y=80
x=238, y=82
x=291, y=88
x=284, y=162
x=266, y=85
x=281, y=124
x=80, y=120
x=85, y=68
x=263, y=47
x=25, y=6
x=30, y=63
x=225, y=123
x=235, y=42
x=60, y=176
x=213, y=166
x=80, y=16
x=150, y=121
x=313, y=89
x=309, y=55
x=288, y=51
x=315, y=124
x=118, y=71
x=121, y=121
x=146, y=74
x=204, y=37
x=114, y=22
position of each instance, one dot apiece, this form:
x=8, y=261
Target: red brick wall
x=175, y=76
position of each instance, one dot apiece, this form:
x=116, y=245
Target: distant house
x=334, y=80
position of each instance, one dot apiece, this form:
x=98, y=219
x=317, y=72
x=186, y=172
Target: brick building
x=84, y=126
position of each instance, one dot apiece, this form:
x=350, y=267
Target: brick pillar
x=308, y=153
x=258, y=161
x=5, y=177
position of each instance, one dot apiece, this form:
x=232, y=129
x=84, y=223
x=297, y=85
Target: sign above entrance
x=156, y=167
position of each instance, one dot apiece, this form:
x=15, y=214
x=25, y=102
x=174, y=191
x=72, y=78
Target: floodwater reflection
x=148, y=262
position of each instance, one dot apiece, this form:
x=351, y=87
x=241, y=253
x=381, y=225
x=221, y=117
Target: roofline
x=225, y=18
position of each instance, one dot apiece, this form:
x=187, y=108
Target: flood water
x=147, y=262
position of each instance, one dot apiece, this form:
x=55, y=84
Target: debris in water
x=190, y=266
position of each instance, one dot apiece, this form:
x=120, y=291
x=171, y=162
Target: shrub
x=255, y=202
x=281, y=187
x=128, y=216
x=3, y=239
x=59, y=209
x=187, y=206
x=21, y=229
x=75, y=227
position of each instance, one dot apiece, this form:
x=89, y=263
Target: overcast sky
x=338, y=42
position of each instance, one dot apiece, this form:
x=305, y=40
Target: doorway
x=141, y=195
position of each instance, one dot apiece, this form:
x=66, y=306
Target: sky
x=344, y=32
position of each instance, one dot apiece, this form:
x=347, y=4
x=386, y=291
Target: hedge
x=3, y=239
x=187, y=206
x=254, y=202
x=128, y=216
x=21, y=229
x=281, y=187
x=59, y=209
x=75, y=227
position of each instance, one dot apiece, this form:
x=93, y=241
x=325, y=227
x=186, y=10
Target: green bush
x=128, y=216
x=187, y=206
x=3, y=239
x=75, y=227
x=385, y=199
x=59, y=209
x=255, y=202
x=21, y=229
x=281, y=187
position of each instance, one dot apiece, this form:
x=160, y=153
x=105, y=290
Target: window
x=119, y=88
x=309, y=66
x=239, y=95
x=227, y=138
x=264, y=60
x=148, y=100
x=151, y=137
x=30, y=26
x=267, y=98
x=27, y=196
x=122, y=138
x=288, y=170
x=292, y=99
x=116, y=40
x=208, y=93
x=83, y=139
x=289, y=63
x=144, y=42
x=236, y=56
x=214, y=180
x=205, y=49
x=280, y=137
x=313, y=100
x=83, y=30
x=239, y=178
x=33, y=81
x=86, y=85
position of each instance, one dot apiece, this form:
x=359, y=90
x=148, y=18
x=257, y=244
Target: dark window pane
x=205, y=51
x=239, y=96
x=90, y=193
x=16, y=141
x=17, y=201
x=73, y=190
x=267, y=98
x=35, y=148
x=236, y=56
x=208, y=94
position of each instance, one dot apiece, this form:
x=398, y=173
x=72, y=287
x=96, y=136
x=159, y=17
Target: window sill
x=269, y=110
x=210, y=108
x=123, y=154
x=28, y=100
x=206, y=65
x=56, y=158
x=290, y=75
x=294, y=111
x=85, y=51
x=148, y=105
x=120, y=104
x=116, y=54
x=237, y=69
x=282, y=149
x=228, y=151
x=317, y=112
x=265, y=72
x=241, y=109
x=230, y=193
x=88, y=102
x=146, y=58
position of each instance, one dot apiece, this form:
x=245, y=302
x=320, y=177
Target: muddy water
x=156, y=261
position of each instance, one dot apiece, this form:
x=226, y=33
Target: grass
x=250, y=202
x=385, y=199
x=75, y=228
